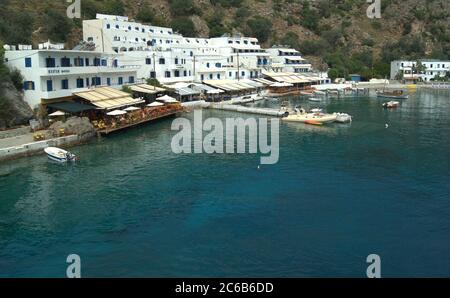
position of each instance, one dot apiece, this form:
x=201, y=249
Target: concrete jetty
x=249, y=110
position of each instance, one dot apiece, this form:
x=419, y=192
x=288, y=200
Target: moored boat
x=343, y=118
x=396, y=94
x=391, y=104
x=314, y=99
x=311, y=118
x=59, y=155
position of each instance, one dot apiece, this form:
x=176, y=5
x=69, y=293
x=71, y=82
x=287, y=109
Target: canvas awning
x=264, y=81
x=187, y=91
x=108, y=98
x=145, y=88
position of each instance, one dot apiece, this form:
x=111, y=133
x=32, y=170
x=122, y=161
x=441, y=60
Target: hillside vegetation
x=334, y=34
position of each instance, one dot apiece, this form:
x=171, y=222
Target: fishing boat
x=318, y=92
x=396, y=94
x=248, y=98
x=311, y=118
x=391, y=104
x=59, y=155
x=343, y=118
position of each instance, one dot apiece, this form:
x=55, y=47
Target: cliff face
x=14, y=110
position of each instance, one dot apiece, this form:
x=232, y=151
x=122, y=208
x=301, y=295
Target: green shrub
x=260, y=28
x=184, y=25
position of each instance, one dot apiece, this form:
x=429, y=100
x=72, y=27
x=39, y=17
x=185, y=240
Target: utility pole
x=238, y=66
x=194, y=67
x=154, y=66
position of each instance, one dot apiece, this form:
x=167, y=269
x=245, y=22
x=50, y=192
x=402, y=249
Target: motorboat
x=391, y=104
x=343, y=118
x=314, y=99
x=248, y=98
x=59, y=155
x=317, y=118
x=396, y=94
x=317, y=110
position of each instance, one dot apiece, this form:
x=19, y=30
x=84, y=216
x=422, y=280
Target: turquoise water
x=131, y=208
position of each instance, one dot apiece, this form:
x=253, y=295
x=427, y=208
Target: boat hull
x=59, y=155
x=305, y=118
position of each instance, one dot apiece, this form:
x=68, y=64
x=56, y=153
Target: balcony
x=64, y=71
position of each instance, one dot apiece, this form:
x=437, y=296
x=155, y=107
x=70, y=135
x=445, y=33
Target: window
x=218, y=65
x=176, y=60
x=152, y=74
x=49, y=85
x=243, y=73
x=65, y=62
x=87, y=82
x=78, y=61
x=185, y=73
x=96, y=61
x=162, y=61
x=218, y=76
x=108, y=81
x=202, y=77
x=108, y=26
x=28, y=62
x=120, y=81
x=167, y=74
x=65, y=84
x=80, y=83
x=211, y=76
x=131, y=79
x=177, y=73
x=117, y=26
x=148, y=61
x=207, y=64
x=50, y=62
x=28, y=85
x=87, y=61
x=104, y=62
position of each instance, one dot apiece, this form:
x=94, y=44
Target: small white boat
x=391, y=104
x=343, y=118
x=314, y=99
x=306, y=93
x=316, y=110
x=59, y=155
x=247, y=98
x=311, y=118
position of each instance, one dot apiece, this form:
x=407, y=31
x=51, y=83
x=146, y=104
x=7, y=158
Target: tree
x=184, y=26
x=154, y=82
x=399, y=75
x=260, y=28
x=419, y=68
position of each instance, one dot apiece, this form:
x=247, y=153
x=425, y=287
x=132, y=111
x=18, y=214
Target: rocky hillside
x=14, y=110
x=335, y=34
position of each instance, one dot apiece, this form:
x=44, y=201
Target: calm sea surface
x=132, y=208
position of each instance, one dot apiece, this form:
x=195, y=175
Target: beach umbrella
x=131, y=109
x=57, y=114
x=116, y=113
x=165, y=98
x=155, y=104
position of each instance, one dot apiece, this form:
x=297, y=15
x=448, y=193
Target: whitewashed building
x=57, y=74
x=286, y=59
x=433, y=68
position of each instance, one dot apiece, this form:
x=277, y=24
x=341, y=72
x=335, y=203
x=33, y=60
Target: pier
x=249, y=110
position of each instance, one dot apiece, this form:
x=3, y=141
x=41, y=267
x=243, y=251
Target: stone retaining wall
x=37, y=147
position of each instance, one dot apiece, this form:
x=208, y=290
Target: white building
x=123, y=52
x=178, y=58
x=288, y=60
x=56, y=74
x=407, y=69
